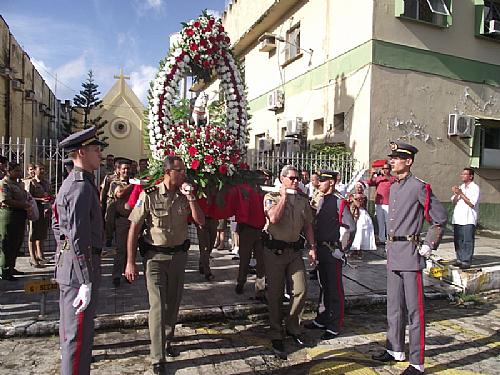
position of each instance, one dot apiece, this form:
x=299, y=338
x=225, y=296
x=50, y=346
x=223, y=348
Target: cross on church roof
x=121, y=77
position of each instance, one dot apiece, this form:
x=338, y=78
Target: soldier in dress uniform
x=165, y=209
x=411, y=201
x=288, y=214
x=332, y=213
x=119, y=192
x=78, y=228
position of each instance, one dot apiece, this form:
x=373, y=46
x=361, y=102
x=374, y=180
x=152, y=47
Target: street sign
x=40, y=286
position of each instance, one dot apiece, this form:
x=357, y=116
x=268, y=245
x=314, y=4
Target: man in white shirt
x=465, y=214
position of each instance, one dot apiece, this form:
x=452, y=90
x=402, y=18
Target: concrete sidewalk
x=127, y=305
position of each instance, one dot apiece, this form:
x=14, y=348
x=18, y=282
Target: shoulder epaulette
x=151, y=189
x=422, y=181
x=78, y=175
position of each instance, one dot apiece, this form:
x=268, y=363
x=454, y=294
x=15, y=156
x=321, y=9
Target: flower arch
x=211, y=151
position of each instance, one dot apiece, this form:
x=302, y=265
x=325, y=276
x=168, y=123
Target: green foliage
x=84, y=103
x=329, y=149
x=181, y=111
x=217, y=112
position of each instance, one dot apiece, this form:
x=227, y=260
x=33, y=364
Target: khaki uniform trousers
x=165, y=282
x=206, y=239
x=110, y=222
x=250, y=241
x=122, y=226
x=279, y=268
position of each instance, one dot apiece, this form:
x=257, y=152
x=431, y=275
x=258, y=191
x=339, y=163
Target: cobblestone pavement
x=460, y=340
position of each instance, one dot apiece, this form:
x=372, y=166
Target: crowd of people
x=299, y=211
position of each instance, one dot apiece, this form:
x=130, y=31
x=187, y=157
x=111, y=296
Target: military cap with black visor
x=402, y=150
x=85, y=137
x=327, y=174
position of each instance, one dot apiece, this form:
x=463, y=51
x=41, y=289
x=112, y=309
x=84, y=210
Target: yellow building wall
x=28, y=106
x=121, y=104
x=4, y=81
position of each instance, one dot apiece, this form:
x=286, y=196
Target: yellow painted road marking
x=490, y=343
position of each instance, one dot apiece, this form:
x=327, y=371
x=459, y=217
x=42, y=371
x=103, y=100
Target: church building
x=125, y=115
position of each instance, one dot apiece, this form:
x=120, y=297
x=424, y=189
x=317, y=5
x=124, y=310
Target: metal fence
x=24, y=151
x=275, y=160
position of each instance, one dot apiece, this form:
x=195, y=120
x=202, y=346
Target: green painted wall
x=404, y=57
x=489, y=214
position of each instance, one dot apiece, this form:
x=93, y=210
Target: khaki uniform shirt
x=165, y=214
x=119, y=202
x=297, y=213
x=10, y=189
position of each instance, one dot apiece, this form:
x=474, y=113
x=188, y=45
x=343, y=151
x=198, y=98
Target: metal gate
x=47, y=152
x=25, y=151
x=275, y=160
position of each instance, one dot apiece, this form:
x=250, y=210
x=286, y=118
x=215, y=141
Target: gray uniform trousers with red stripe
x=330, y=312
x=76, y=333
x=405, y=301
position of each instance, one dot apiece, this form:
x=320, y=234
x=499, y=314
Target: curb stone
x=27, y=328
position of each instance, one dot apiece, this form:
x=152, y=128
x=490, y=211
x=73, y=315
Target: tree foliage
x=86, y=101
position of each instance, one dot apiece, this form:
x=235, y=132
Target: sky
x=67, y=38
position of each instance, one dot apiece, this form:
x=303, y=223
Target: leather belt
x=408, y=238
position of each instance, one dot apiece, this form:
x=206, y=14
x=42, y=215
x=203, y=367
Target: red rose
x=196, y=24
x=209, y=159
x=189, y=32
x=192, y=151
x=203, y=42
x=221, y=28
x=197, y=57
x=227, y=40
x=223, y=169
x=211, y=22
x=206, y=64
x=234, y=158
x=195, y=164
x=193, y=47
x=172, y=153
x=244, y=166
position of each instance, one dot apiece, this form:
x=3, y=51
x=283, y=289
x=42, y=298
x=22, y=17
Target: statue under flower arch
x=204, y=48
x=212, y=151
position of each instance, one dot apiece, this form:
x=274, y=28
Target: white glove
x=425, y=251
x=82, y=300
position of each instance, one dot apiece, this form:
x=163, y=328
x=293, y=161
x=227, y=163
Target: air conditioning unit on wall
x=17, y=85
x=275, y=100
x=267, y=43
x=461, y=125
x=494, y=27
